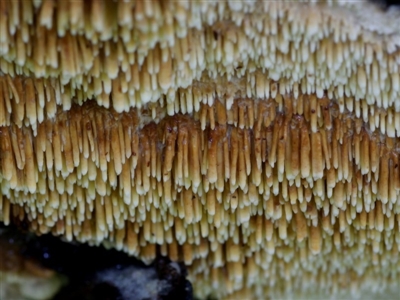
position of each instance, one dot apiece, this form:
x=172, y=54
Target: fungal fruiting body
x=256, y=141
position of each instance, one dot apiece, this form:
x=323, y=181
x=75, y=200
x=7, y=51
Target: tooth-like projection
x=167, y=179
x=258, y=142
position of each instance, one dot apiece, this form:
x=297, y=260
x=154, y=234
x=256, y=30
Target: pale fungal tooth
x=257, y=141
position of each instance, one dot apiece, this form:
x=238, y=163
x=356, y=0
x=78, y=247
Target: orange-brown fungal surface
x=256, y=141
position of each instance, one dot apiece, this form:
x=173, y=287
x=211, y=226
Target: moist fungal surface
x=256, y=142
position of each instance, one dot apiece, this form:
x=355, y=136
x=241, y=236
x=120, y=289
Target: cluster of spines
x=29, y=102
x=94, y=62
x=231, y=269
x=224, y=187
x=306, y=139
x=90, y=172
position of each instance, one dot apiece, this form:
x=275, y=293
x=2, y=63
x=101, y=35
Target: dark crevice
x=100, y=273
x=387, y=3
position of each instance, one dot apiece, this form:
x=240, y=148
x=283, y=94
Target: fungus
x=256, y=141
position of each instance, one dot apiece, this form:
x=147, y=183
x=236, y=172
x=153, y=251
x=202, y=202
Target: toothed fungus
x=257, y=141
